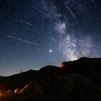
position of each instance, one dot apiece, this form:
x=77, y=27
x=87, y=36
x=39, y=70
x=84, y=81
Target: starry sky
x=36, y=33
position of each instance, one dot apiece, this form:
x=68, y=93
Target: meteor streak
x=41, y=11
x=53, y=39
x=70, y=11
x=20, y=39
x=26, y=22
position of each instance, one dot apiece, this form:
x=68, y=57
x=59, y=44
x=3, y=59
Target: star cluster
x=36, y=33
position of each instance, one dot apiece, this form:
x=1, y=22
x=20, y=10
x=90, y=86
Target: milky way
x=73, y=47
x=57, y=30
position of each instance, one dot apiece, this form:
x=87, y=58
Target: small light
x=50, y=50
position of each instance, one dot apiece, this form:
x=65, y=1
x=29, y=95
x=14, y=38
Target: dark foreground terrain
x=78, y=80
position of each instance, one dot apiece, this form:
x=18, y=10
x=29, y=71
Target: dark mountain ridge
x=75, y=80
x=21, y=79
x=89, y=67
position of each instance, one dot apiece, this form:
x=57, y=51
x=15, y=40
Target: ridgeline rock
x=44, y=72
x=90, y=68
x=32, y=89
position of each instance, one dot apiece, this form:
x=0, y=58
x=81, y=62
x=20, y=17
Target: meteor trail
x=53, y=39
x=41, y=11
x=26, y=22
x=70, y=11
x=20, y=39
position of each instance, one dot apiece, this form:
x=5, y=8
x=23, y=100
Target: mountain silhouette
x=21, y=79
x=74, y=80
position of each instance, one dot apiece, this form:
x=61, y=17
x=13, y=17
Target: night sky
x=36, y=33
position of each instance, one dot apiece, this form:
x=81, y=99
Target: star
x=50, y=51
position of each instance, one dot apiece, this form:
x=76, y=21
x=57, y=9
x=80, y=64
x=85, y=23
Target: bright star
x=50, y=50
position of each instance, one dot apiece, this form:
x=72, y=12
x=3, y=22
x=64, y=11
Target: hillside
x=20, y=80
x=76, y=80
